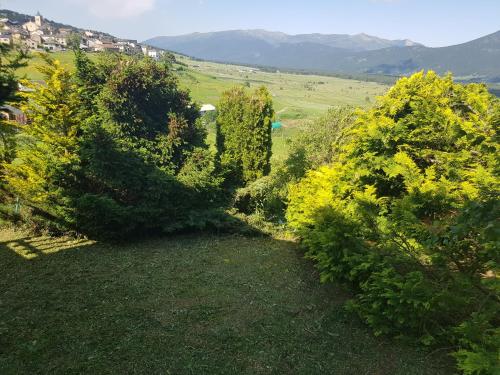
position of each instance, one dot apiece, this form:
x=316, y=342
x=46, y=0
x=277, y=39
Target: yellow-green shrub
x=409, y=211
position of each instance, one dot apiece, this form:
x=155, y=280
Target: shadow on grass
x=30, y=246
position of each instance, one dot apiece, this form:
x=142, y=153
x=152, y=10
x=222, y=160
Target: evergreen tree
x=244, y=134
x=408, y=212
x=47, y=162
x=113, y=151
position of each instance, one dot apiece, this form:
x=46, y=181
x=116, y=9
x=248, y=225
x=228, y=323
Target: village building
x=19, y=34
x=37, y=32
x=110, y=47
x=94, y=44
x=30, y=26
x=37, y=38
x=7, y=112
x=51, y=47
x=30, y=44
x=153, y=54
x=6, y=39
x=38, y=19
x=12, y=23
x=4, y=24
x=65, y=31
x=61, y=39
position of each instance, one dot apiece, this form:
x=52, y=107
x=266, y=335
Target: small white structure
x=207, y=108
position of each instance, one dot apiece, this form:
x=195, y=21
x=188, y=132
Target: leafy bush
x=408, y=213
x=319, y=141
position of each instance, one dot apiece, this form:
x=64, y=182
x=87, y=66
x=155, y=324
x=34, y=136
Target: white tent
x=207, y=108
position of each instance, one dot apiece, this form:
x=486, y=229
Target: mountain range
x=339, y=53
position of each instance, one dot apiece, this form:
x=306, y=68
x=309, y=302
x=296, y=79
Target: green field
x=31, y=72
x=185, y=305
x=297, y=98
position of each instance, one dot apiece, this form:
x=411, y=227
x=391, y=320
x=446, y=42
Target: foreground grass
x=186, y=305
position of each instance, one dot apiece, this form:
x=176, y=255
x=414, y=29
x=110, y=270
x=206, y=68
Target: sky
x=431, y=22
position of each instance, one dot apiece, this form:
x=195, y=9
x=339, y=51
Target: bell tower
x=38, y=19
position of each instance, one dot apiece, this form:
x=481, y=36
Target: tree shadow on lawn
x=186, y=304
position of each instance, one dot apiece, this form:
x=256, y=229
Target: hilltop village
x=38, y=34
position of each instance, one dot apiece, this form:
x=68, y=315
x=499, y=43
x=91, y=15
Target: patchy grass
x=184, y=305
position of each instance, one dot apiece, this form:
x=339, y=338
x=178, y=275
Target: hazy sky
x=432, y=22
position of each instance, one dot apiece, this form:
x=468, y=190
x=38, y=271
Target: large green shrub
x=114, y=149
x=409, y=213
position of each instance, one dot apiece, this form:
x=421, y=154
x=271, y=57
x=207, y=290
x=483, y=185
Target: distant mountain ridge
x=358, y=42
x=339, y=53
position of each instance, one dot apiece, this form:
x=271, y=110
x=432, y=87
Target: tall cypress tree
x=244, y=134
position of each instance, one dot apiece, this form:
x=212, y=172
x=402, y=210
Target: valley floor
x=199, y=304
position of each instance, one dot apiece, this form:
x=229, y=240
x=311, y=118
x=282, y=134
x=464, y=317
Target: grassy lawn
x=184, y=305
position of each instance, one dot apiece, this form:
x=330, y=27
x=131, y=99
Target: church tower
x=38, y=19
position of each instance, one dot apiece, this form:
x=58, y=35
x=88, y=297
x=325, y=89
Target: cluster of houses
x=37, y=34
x=40, y=35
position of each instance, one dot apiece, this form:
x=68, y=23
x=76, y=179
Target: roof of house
x=11, y=109
x=23, y=88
